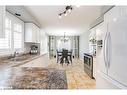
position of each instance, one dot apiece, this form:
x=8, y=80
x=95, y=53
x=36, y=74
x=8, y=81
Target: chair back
x=65, y=53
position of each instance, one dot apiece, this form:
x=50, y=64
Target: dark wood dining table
x=59, y=53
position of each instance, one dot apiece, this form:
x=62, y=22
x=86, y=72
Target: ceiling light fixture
x=17, y=14
x=67, y=9
x=60, y=16
x=65, y=13
x=64, y=38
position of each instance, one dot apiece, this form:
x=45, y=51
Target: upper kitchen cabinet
x=32, y=33
x=124, y=10
x=113, y=14
x=38, y=35
x=2, y=15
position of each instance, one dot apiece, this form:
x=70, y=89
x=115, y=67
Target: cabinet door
x=113, y=14
x=38, y=35
x=28, y=32
x=94, y=68
x=101, y=55
x=2, y=16
x=39, y=62
x=34, y=33
x=124, y=10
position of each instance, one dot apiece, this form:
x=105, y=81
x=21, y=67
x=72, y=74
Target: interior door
x=118, y=50
x=101, y=61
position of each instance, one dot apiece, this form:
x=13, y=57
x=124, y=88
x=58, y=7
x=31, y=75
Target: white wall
x=44, y=42
x=84, y=44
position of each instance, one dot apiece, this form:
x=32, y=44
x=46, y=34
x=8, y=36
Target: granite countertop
x=90, y=54
x=19, y=60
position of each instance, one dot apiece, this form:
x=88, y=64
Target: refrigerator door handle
x=104, y=51
x=109, y=50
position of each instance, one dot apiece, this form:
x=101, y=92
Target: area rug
x=36, y=78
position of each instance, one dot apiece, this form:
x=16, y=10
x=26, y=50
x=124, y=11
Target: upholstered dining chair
x=64, y=56
x=70, y=55
x=59, y=54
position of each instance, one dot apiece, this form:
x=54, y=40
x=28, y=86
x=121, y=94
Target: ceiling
x=74, y=23
x=25, y=15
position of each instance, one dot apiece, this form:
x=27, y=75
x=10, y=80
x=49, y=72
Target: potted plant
x=93, y=40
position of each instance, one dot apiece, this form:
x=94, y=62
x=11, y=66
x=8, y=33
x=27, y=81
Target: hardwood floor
x=76, y=77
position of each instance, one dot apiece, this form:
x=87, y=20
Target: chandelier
x=67, y=9
x=64, y=39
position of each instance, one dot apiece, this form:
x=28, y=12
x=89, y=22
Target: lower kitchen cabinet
x=94, y=67
x=37, y=62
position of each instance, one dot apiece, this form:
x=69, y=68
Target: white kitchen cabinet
x=37, y=62
x=32, y=33
x=38, y=35
x=94, y=67
x=124, y=10
x=33, y=63
x=113, y=14
x=2, y=15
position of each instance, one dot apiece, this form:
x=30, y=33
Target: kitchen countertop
x=19, y=60
x=90, y=54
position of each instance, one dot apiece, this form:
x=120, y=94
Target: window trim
x=13, y=20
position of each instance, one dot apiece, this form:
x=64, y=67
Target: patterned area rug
x=36, y=78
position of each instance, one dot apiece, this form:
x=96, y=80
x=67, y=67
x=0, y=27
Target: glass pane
x=7, y=23
x=5, y=43
x=17, y=40
x=17, y=27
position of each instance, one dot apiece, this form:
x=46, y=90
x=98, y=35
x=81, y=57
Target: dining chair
x=70, y=55
x=59, y=54
x=64, y=56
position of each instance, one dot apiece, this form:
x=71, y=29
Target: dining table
x=59, y=54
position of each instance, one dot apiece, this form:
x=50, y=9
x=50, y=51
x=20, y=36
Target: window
x=17, y=36
x=13, y=38
x=5, y=42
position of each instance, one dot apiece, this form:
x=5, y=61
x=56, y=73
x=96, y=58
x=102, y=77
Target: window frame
x=17, y=20
x=13, y=19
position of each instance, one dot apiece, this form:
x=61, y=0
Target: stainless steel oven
x=88, y=64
